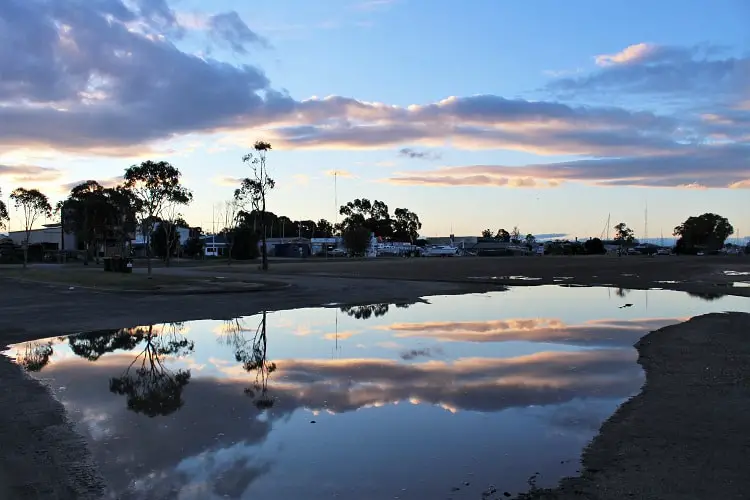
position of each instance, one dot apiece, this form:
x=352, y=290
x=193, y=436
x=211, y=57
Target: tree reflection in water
x=151, y=388
x=93, y=345
x=367, y=311
x=36, y=356
x=252, y=353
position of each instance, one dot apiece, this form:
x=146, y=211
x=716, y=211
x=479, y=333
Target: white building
x=50, y=235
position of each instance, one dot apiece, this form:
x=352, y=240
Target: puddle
x=737, y=273
x=437, y=399
x=516, y=278
x=735, y=284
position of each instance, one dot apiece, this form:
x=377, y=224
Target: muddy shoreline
x=687, y=433
x=42, y=457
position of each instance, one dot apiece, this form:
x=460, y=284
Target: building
x=138, y=243
x=215, y=245
x=49, y=236
x=321, y=245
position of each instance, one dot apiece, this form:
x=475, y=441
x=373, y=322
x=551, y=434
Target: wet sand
x=42, y=456
x=687, y=434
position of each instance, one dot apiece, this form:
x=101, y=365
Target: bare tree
x=34, y=204
x=515, y=235
x=170, y=222
x=255, y=190
x=230, y=213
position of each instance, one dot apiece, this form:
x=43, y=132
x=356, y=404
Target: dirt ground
x=692, y=274
x=687, y=434
x=661, y=436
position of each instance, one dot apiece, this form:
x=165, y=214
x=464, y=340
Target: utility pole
x=336, y=196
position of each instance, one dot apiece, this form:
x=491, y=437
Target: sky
x=481, y=114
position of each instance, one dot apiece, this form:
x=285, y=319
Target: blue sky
x=534, y=114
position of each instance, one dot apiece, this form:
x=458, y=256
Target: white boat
x=440, y=251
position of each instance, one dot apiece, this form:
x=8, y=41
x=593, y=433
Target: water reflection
x=253, y=354
x=483, y=389
x=35, y=355
x=369, y=310
x=151, y=388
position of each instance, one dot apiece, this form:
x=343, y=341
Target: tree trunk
x=26, y=253
x=264, y=249
x=148, y=253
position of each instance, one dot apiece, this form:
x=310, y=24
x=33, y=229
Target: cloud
x=86, y=82
x=426, y=352
x=106, y=78
x=374, y=4
x=717, y=166
x=478, y=122
x=609, y=333
x=302, y=179
x=230, y=28
x=646, y=68
x=549, y=236
x=227, y=181
x=106, y=183
x=339, y=173
x=29, y=173
x=77, y=77
x=421, y=155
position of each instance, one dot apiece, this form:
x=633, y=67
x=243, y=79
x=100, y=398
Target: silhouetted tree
x=255, y=190
x=323, y=229
x=4, y=218
x=623, y=234
x=372, y=215
x=406, y=225
x=486, y=233
x=34, y=205
x=156, y=185
x=356, y=239
x=165, y=240
x=503, y=235
x=594, y=246
x=194, y=246
x=707, y=232
x=244, y=243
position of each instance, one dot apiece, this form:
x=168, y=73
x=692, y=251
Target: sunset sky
x=474, y=114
